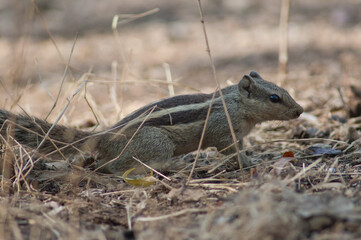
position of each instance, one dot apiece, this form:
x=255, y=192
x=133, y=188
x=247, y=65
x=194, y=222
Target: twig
x=129, y=218
x=175, y=214
x=345, y=106
x=59, y=117
x=304, y=171
x=47, y=30
x=7, y=165
x=131, y=17
x=118, y=192
x=92, y=105
x=305, y=140
x=63, y=78
x=147, y=166
x=218, y=86
x=86, y=76
x=201, y=140
x=169, y=79
x=329, y=172
x=283, y=47
x=99, y=80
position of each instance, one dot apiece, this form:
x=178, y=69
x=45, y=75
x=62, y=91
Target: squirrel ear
x=245, y=85
x=255, y=74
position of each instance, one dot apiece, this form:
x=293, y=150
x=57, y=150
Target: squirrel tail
x=31, y=132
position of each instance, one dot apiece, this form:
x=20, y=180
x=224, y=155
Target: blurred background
x=123, y=65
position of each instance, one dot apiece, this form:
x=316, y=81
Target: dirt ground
x=314, y=194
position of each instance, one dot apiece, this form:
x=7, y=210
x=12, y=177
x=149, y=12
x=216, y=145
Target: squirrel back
x=160, y=130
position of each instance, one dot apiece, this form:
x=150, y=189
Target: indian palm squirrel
x=160, y=130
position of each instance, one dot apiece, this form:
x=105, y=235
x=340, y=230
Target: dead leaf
x=319, y=150
x=141, y=182
x=288, y=154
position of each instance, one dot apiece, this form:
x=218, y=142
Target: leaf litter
x=312, y=194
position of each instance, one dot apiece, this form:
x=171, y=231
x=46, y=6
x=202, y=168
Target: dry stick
x=72, y=86
x=175, y=214
x=128, y=18
x=213, y=178
x=219, y=90
x=118, y=192
x=202, y=137
x=90, y=106
x=63, y=79
x=169, y=79
x=47, y=30
x=283, y=47
x=344, y=104
x=99, y=80
x=131, y=17
x=10, y=142
x=126, y=60
x=304, y=171
x=7, y=164
x=20, y=174
x=129, y=218
x=305, y=140
x=58, y=119
x=215, y=186
x=149, y=167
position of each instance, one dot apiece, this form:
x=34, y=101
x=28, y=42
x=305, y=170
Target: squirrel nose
x=299, y=111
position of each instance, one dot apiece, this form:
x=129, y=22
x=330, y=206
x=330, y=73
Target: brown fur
x=163, y=129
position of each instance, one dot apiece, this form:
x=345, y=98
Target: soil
x=305, y=181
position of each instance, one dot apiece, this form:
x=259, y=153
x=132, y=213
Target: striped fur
x=162, y=129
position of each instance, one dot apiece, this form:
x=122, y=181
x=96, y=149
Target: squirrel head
x=264, y=100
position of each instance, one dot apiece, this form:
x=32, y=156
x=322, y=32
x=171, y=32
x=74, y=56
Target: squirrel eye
x=274, y=98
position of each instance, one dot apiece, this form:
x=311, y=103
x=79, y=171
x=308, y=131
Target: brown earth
x=316, y=195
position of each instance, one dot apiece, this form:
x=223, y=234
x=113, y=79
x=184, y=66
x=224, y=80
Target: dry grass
x=315, y=194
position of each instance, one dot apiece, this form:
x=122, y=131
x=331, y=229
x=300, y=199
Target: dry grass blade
x=218, y=86
x=130, y=17
x=304, y=171
x=283, y=46
x=47, y=30
x=108, y=80
x=46, y=137
x=169, y=79
x=174, y=214
x=63, y=78
x=98, y=115
x=157, y=172
x=201, y=140
x=7, y=163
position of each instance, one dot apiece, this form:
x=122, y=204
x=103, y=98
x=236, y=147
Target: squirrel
x=161, y=130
